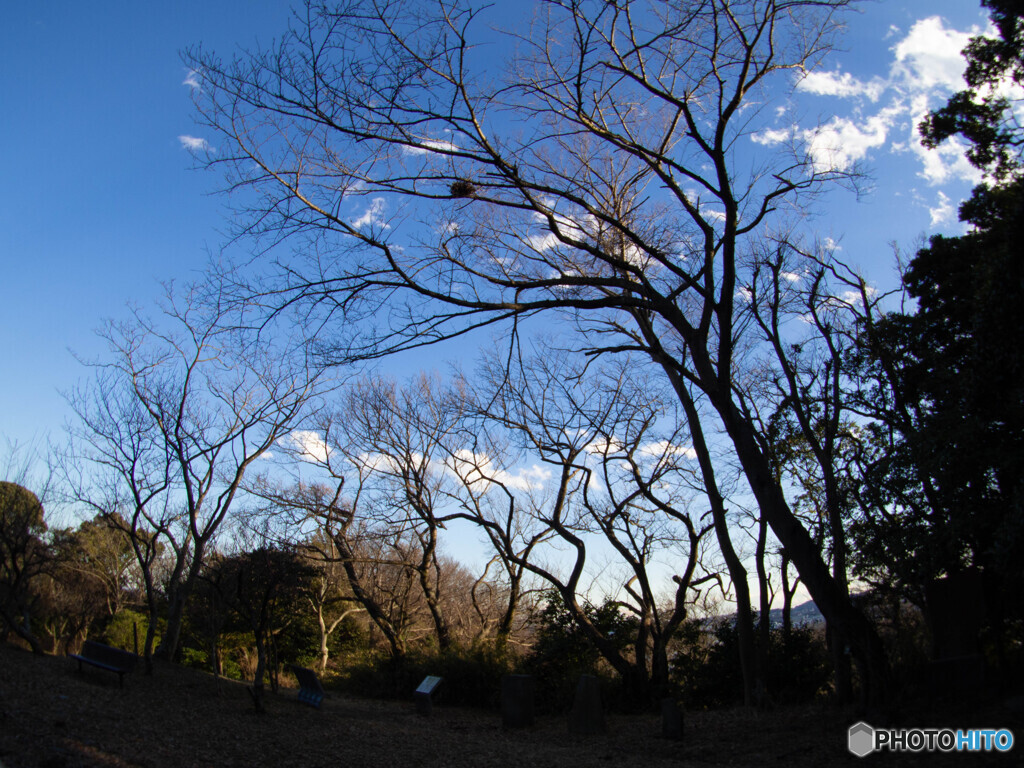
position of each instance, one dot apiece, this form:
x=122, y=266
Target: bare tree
x=596, y=177
x=328, y=592
x=623, y=478
x=167, y=430
x=809, y=309
x=386, y=453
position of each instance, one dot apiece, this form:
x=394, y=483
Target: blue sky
x=99, y=203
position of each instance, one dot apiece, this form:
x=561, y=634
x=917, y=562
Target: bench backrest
x=307, y=679
x=105, y=654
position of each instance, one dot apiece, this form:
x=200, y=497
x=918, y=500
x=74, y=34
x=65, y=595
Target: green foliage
x=981, y=113
x=24, y=555
x=21, y=513
x=472, y=676
x=194, y=658
x=949, y=486
x=120, y=630
x=561, y=650
x=945, y=490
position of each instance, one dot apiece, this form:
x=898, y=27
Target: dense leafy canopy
x=947, y=488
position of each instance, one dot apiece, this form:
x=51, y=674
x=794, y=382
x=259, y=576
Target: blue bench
x=311, y=692
x=105, y=657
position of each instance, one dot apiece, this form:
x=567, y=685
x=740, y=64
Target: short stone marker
x=517, y=701
x=587, y=717
x=423, y=694
x=671, y=720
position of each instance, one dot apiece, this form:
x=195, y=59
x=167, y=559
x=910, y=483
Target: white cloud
x=771, y=136
x=930, y=55
x=309, y=445
x=842, y=85
x=576, y=230
x=605, y=446
x=542, y=243
x=854, y=298
x=529, y=478
x=661, y=448
x=926, y=67
x=373, y=216
x=947, y=162
x=478, y=469
x=430, y=147
x=840, y=143
x=192, y=80
x=194, y=144
x=943, y=211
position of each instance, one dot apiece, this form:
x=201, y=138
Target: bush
x=708, y=674
x=472, y=676
x=562, y=652
x=120, y=630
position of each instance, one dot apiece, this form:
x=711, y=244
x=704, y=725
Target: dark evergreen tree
x=947, y=483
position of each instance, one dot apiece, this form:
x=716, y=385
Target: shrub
x=120, y=630
x=707, y=667
x=472, y=676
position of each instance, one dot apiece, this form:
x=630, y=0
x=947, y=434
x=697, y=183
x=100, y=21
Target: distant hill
x=801, y=615
x=805, y=614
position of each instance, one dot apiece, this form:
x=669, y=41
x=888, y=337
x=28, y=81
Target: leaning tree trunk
x=831, y=598
x=23, y=629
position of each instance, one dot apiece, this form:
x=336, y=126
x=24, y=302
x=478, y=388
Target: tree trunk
x=257, y=679
x=764, y=623
x=787, y=600
x=322, y=663
x=737, y=573
x=23, y=630
x=830, y=597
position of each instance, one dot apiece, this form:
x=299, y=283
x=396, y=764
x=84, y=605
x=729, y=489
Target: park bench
x=105, y=657
x=310, y=690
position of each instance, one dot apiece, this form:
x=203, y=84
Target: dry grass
x=51, y=716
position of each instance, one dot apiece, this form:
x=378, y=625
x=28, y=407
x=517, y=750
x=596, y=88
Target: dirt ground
x=53, y=717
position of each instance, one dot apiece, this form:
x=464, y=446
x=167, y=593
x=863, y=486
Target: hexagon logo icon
x=861, y=739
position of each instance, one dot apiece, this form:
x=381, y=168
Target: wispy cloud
x=193, y=80
x=429, y=147
x=661, y=448
x=927, y=65
x=373, y=216
x=837, y=144
x=840, y=143
x=477, y=469
x=943, y=210
x=195, y=144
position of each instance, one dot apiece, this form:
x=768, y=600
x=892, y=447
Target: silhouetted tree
x=945, y=486
x=24, y=555
x=613, y=199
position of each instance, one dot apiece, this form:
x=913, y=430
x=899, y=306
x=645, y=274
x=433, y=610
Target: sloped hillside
x=50, y=716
